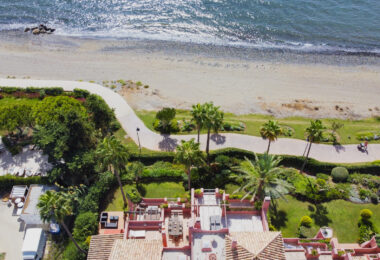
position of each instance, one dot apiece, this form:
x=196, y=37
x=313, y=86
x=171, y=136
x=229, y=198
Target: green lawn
x=147, y=190
x=253, y=123
x=12, y=100
x=162, y=190
x=340, y=215
x=116, y=200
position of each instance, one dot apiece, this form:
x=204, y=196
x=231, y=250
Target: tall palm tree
x=270, y=130
x=189, y=154
x=314, y=135
x=113, y=156
x=213, y=120
x=56, y=206
x=198, y=114
x=260, y=178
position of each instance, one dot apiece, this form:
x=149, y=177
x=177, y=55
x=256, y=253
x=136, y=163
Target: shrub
x=322, y=176
x=72, y=253
x=8, y=181
x=56, y=91
x=161, y=171
x=366, y=214
x=374, y=199
x=235, y=196
x=134, y=195
x=81, y=93
x=305, y=232
x=339, y=174
x=363, y=194
x=306, y=221
x=97, y=192
x=86, y=224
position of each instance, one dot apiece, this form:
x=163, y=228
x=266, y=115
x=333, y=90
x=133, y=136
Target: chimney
x=234, y=244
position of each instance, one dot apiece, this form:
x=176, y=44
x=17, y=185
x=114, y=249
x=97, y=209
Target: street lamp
x=138, y=138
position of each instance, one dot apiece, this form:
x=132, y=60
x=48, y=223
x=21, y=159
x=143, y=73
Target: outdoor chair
x=111, y=225
x=114, y=218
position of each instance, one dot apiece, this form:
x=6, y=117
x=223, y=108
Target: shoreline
x=241, y=81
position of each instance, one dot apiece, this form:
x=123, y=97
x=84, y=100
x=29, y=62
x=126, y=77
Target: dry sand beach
x=179, y=79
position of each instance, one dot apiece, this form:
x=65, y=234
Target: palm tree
x=270, y=130
x=261, y=178
x=198, y=113
x=189, y=154
x=213, y=120
x=314, y=135
x=114, y=157
x=56, y=206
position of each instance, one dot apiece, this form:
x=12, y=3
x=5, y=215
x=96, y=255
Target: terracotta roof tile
x=101, y=245
x=132, y=249
x=255, y=245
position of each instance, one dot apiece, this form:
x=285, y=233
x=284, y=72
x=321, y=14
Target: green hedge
x=313, y=166
x=7, y=181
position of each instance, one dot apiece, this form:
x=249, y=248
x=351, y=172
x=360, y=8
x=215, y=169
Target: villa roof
x=101, y=246
x=136, y=249
x=255, y=245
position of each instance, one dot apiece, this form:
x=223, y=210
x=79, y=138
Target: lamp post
x=138, y=138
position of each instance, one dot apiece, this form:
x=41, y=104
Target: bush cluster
x=367, y=229
x=163, y=171
x=8, y=181
x=339, y=174
x=306, y=221
x=97, y=192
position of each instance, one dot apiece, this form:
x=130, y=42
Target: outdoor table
x=175, y=228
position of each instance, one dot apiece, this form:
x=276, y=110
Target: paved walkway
x=130, y=121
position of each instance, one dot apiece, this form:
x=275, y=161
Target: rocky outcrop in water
x=41, y=29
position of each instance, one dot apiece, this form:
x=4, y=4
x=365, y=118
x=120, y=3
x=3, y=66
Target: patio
x=243, y=222
x=111, y=222
x=182, y=239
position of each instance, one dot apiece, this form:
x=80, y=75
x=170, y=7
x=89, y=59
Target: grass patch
x=254, y=122
x=340, y=215
x=162, y=190
x=147, y=190
x=2, y=256
x=14, y=101
x=116, y=202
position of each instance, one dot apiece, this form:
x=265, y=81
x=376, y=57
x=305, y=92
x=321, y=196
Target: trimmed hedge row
x=8, y=181
x=313, y=166
x=54, y=91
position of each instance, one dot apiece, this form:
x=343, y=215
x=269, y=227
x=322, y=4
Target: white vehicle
x=34, y=244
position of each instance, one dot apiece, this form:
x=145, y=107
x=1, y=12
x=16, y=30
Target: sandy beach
x=180, y=79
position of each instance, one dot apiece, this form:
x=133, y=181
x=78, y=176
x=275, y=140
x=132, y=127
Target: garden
x=338, y=130
x=98, y=169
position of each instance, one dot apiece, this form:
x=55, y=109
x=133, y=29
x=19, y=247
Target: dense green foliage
x=165, y=122
x=339, y=174
x=8, y=181
x=85, y=225
x=367, y=228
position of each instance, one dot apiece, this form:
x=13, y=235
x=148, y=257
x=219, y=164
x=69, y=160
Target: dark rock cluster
x=40, y=29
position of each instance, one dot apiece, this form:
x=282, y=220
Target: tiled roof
x=132, y=249
x=255, y=245
x=101, y=245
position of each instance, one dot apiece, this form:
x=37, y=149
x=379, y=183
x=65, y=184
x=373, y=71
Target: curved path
x=153, y=141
